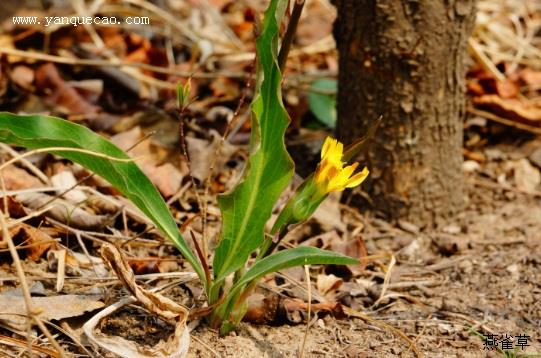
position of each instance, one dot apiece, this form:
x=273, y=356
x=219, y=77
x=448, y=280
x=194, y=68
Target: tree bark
x=404, y=60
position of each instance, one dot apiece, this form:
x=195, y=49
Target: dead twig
x=290, y=33
x=504, y=121
x=113, y=63
x=33, y=313
x=19, y=343
x=202, y=258
x=216, y=354
x=446, y=264
x=184, y=150
x=497, y=186
x=309, y=289
x=411, y=344
x=65, y=149
x=31, y=167
x=386, y=281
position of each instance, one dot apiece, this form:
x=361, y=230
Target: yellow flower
x=331, y=175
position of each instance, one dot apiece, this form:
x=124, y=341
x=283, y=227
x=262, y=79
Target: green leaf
x=247, y=208
x=322, y=101
x=183, y=94
x=36, y=131
x=302, y=255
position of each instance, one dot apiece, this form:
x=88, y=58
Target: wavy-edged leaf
x=247, y=208
x=37, y=131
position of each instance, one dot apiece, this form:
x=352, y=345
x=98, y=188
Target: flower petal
x=347, y=171
x=331, y=175
x=321, y=171
x=335, y=155
x=327, y=145
x=358, y=178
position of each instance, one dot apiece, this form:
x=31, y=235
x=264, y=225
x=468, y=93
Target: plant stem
x=269, y=245
x=202, y=259
x=290, y=33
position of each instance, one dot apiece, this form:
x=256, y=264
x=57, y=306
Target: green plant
x=246, y=209
x=322, y=101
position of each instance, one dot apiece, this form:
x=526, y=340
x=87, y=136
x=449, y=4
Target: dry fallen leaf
x=328, y=284
x=535, y=157
x=61, y=94
x=353, y=247
x=16, y=178
x=530, y=77
x=13, y=310
x=175, y=346
x=317, y=25
x=527, y=177
x=63, y=211
x=65, y=180
x=15, y=209
x=131, y=140
x=507, y=88
x=202, y=154
x=23, y=76
x=522, y=110
x=166, y=177
x=219, y=3
x=35, y=240
x=329, y=215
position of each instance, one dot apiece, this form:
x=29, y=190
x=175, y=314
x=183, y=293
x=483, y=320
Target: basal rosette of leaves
x=244, y=250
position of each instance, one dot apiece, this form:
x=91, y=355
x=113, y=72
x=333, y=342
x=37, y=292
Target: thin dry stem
x=82, y=180
x=290, y=33
x=113, y=63
x=33, y=214
x=213, y=164
x=81, y=10
x=309, y=289
x=202, y=258
x=14, y=342
x=184, y=148
x=411, y=344
x=33, y=314
x=386, y=281
x=504, y=121
x=64, y=149
x=31, y=167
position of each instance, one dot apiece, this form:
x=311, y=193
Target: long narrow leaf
x=302, y=255
x=38, y=131
x=248, y=207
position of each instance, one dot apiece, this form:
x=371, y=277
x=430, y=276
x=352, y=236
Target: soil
x=479, y=273
x=458, y=291
x=133, y=324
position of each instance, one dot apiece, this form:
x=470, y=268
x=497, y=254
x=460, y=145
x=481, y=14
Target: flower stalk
x=331, y=175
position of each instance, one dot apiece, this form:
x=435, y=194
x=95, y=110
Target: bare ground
x=480, y=272
x=488, y=279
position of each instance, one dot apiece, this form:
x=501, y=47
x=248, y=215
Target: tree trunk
x=404, y=60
